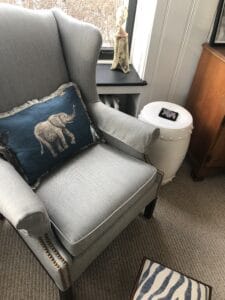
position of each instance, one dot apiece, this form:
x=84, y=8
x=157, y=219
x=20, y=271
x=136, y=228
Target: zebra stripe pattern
x=161, y=283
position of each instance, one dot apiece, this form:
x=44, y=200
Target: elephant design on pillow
x=52, y=133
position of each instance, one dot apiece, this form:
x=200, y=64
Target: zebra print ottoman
x=157, y=282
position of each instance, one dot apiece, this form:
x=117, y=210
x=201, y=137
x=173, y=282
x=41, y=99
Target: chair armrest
x=19, y=204
x=81, y=45
x=123, y=131
x=53, y=256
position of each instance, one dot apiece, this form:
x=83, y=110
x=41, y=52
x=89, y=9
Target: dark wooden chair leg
x=149, y=209
x=196, y=177
x=67, y=295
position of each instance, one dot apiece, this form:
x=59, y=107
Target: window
x=107, y=47
x=101, y=13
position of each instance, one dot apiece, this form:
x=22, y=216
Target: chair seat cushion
x=90, y=192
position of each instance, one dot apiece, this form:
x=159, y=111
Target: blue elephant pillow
x=41, y=134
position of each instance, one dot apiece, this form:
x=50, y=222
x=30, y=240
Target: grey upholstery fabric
x=81, y=262
x=32, y=64
x=88, y=194
x=81, y=43
x=123, y=129
x=93, y=197
x=19, y=204
x=53, y=256
x=121, y=145
x=77, y=264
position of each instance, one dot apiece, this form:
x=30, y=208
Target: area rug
x=158, y=282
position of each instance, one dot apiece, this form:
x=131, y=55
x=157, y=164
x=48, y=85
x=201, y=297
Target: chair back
x=31, y=57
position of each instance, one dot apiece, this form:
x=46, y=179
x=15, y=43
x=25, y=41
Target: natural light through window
x=101, y=13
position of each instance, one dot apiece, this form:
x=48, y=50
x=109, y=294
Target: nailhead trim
x=58, y=255
x=52, y=259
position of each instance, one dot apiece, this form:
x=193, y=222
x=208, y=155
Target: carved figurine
x=121, y=49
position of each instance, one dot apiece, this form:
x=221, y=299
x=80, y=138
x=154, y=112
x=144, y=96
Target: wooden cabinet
x=206, y=102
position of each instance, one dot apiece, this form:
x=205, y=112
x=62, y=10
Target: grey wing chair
x=82, y=206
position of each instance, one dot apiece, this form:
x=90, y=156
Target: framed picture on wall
x=218, y=33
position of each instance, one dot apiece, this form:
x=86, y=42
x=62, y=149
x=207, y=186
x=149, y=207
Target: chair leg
x=67, y=295
x=149, y=209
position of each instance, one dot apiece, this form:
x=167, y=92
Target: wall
x=179, y=29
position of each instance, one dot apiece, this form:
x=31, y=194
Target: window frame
x=106, y=53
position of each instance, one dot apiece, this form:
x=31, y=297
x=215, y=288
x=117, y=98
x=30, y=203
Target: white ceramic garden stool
x=169, y=151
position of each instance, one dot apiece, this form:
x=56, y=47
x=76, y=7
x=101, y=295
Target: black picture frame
x=218, y=32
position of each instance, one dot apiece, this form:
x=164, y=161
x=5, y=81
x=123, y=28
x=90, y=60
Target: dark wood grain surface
x=206, y=102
